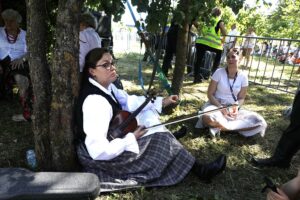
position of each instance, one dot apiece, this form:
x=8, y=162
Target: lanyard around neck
x=231, y=86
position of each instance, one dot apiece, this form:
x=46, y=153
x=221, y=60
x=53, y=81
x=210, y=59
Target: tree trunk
x=181, y=50
x=40, y=77
x=65, y=85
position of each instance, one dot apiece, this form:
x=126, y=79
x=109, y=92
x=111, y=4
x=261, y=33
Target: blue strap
x=161, y=75
x=140, y=75
x=132, y=15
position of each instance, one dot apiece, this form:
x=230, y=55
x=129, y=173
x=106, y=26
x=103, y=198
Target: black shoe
x=196, y=80
x=208, y=171
x=271, y=162
x=180, y=133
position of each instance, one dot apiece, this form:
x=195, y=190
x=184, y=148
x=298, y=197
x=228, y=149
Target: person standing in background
x=248, y=46
x=210, y=41
x=230, y=41
x=88, y=37
x=171, y=48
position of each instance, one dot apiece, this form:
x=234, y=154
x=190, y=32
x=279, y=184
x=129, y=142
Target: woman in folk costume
x=140, y=158
x=14, y=63
x=228, y=86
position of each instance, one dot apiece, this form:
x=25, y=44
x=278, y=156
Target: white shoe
x=18, y=118
x=214, y=132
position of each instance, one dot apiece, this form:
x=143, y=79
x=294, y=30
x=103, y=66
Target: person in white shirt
x=230, y=41
x=248, y=45
x=88, y=37
x=13, y=62
x=228, y=86
x=140, y=157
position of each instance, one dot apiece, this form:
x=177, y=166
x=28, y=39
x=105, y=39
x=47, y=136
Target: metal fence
x=273, y=62
x=125, y=41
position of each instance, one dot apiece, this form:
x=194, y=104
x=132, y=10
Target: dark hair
x=88, y=19
x=234, y=50
x=216, y=12
x=91, y=59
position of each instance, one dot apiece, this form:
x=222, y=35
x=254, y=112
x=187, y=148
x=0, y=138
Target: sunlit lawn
x=240, y=181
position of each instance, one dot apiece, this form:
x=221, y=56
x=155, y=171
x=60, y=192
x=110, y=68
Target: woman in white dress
x=248, y=45
x=228, y=86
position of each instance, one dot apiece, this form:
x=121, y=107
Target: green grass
x=240, y=181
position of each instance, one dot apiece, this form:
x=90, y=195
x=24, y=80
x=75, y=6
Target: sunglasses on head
x=235, y=50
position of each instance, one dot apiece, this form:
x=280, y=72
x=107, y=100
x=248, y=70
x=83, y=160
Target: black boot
x=282, y=157
x=207, y=171
x=197, y=79
x=180, y=133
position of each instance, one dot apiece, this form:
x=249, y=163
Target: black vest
x=90, y=89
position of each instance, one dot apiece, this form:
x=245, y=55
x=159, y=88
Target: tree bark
x=40, y=77
x=64, y=85
x=181, y=50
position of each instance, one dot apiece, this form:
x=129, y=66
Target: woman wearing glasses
x=228, y=86
x=140, y=158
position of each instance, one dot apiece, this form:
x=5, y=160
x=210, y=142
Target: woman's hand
x=139, y=132
x=277, y=196
x=233, y=111
x=230, y=113
x=170, y=100
x=17, y=64
x=225, y=112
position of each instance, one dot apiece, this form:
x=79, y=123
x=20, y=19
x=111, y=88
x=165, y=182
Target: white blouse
x=250, y=42
x=223, y=92
x=13, y=50
x=97, y=113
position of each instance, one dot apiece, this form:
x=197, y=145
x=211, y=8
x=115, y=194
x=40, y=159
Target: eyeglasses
x=108, y=65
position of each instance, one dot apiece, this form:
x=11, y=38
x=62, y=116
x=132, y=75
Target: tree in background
x=284, y=22
x=252, y=18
